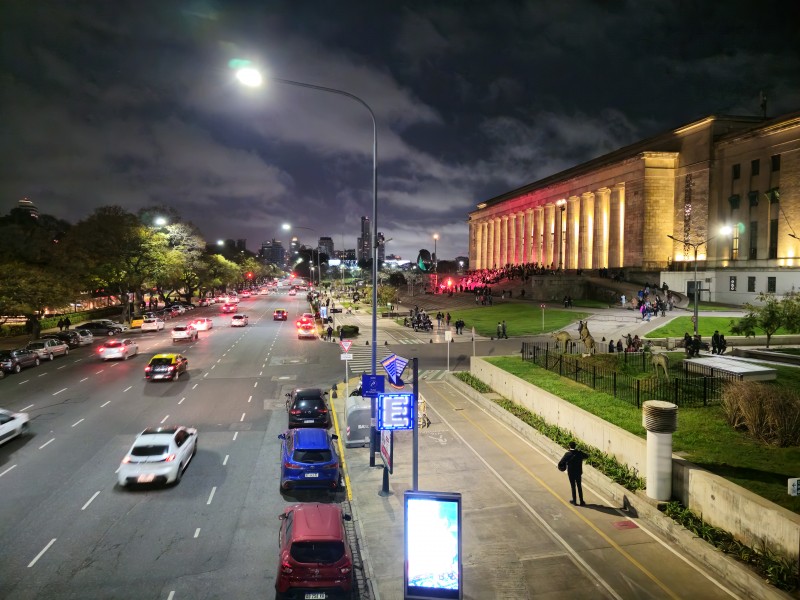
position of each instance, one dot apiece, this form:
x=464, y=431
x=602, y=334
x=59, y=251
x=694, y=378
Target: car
x=12, y=361
x=307, y=331
x=233, y=299
x=307, y=408
x=314, y=556
x=136, y=322
x=239, y=320
x=124, y=349
x=309, y=460
x=12, y=424
x=229, y=308
x=166, y=366
x=203, y=324
x=86, y=336
x=263, y=292
x=204, y=302
x=245, y=294
x=184, y=332
x=71, y=338
x=122, y=326
x=153, y=324
x=177, y=309
x=100, y=328
x=293, y=292
x=280, y=314
x=48, y=348
x=305, y=319
x=158, y=455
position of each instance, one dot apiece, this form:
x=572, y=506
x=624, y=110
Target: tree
x=769, y=316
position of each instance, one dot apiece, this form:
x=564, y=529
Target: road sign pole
x=415, y=446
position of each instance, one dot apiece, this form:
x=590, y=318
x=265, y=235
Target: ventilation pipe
x=660, y=419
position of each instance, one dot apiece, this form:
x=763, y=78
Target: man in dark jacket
x=572, y=462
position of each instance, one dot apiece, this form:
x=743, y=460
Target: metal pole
x=415, y=445
x=695, y=289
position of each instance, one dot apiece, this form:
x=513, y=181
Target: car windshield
x=149, y=450
x=317, y=552
x=309, y=404
x=312, y=457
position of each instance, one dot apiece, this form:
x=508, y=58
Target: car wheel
x=25, y=429
x=125, y=356
x=66, y=352
x=50, y=356
x=178, y=475
x=18, y=367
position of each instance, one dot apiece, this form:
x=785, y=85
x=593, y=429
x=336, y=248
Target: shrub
x=348, y=331
x=473, y=381
x=767, y=413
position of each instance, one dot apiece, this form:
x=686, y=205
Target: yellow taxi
x=137, y=322
x=166, y=366
x=280, y=314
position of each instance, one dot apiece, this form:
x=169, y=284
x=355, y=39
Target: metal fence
x=697, y=387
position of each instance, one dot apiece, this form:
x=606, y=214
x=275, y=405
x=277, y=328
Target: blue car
x=309, y=460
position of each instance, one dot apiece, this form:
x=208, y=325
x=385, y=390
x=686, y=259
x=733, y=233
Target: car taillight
x=170, y=458
x=295, y=411
x=289, y=465
x=127, y=459
x=324, y=411
x=331, y=466
x=147, y=369
x=344, y=570
x=170, y=368
x=100, y=349
x=286, y=568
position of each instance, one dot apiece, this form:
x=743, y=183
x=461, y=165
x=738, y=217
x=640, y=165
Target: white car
x=86, y=337
x=152, y=324
x=239, y=320
x=12, y=424
x=233, y=299
x=263, y=292
x=203, y=324
x=48, y=348
x=158, y=455
x=184, y=332
x=293, y=292
x=123, y=349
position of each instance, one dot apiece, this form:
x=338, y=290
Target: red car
x=314, y=557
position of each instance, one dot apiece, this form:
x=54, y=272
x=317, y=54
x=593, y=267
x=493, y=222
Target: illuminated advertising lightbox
x=432, y=546
x=395, y=411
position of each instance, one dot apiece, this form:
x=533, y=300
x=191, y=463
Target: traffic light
x=249, y=275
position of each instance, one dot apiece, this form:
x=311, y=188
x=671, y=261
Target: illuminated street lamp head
x=250, y=77
x=286, y=227
x=436, y=236
x=220, y=242
x=160, y=221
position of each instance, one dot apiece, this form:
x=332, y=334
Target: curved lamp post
x=251, y=77
x=695, y=246
x=287, y=227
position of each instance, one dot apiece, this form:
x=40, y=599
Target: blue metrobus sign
x=396, y=411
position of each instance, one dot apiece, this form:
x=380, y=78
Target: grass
x=703, y=436
x=521, y=319
x=680, y=325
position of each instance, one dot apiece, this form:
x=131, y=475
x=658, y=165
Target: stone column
x=551, y=236
x=527, y=234
x=484, y=243
x=512, y=238
x=498, y=221
x=586, y=229
x=600, y=253
x=573, y=217
x=503, y=241
x=616, y=219
x=489, y=243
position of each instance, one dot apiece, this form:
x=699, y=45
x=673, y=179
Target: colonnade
x=583, y=231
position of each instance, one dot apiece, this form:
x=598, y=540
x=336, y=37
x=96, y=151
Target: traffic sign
x=346, y=356
x=372, y=385
x=345, y=344
x=542, y=306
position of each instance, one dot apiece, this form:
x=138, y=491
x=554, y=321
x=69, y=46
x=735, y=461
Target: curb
x=636, y=505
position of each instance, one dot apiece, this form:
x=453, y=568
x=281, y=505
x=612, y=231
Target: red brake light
x=169, y=458
x=295, y=411
x=286, y=568
x=171, y=368
x=147, y=369
x=127, y=459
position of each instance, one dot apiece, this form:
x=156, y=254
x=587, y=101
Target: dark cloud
x=133, y=103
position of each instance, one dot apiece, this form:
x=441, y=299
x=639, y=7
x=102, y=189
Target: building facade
x=647, y=208
x=326, y=246
x=273, y=252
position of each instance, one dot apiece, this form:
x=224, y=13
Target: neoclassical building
x=724, y=190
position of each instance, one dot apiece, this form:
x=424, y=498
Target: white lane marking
x=105, y=403
x=77, y=361
x=165, y=418
x=224, y=462
x=114, y=365
x=45, y=444
x=260, y=373
x=212, y=366
x=211, y=495
x=27, y=407
x=255, y=384
x=205, y=374
x=264, y=365
x=43, y=374
x=98, y=372
x=171, y=595
x=89, y=501
x=127, y=388
x=59, y=391
x=219, y=360
x=77, y=422
x=235, y=434
x=181, y=400
x=61, y=367
x=224, y=354
x=250, y=399
x=197, y=533
x=82, y=380
x=15, y=466
x=242, y=419
x=38, y=556
x=195, y=385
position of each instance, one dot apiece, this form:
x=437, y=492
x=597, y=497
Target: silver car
x=48, y=348
x=86, y=337
x=123, y=349
x=159, y=455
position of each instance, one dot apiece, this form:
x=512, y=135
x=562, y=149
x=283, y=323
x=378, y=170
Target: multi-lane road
x=67, y=530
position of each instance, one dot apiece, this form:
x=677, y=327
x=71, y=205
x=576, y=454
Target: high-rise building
x=364, y=249
x=273, y=252
x=28, y=207
x=381, y=247
x=326, y=246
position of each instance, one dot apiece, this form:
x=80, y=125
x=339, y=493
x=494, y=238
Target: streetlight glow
x=250, y=77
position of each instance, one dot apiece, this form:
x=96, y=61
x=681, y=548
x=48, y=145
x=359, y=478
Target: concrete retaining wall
x=750, y=518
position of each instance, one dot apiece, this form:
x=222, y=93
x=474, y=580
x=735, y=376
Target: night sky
x=133, y=103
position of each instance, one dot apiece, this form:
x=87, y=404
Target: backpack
x=562, y=464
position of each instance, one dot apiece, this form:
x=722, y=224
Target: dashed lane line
x=59, y=391
x=211, y=495
x=38, y=556
x=106, y=403
x=10, y=468
x=47, y=442
x=77, y=422
x=89, y=501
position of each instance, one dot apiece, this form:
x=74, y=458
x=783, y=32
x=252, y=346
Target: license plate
x=312, y=474
x=315, y=596
x=308, y=421
x=146, y=478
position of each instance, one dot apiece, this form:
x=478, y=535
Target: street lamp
x=695, y=246
x=251, y=77
x=288, y=227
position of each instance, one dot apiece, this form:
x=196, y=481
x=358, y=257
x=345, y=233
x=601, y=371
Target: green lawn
x=703, y=436
x=680, y=325
x=521, y=319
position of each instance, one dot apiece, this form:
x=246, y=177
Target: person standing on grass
x=572, y=463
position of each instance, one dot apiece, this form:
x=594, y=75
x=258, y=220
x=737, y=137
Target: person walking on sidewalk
x=505, y=335
x=499, y=330
x=572, y=463
x=60, y=324
x=67, y=323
